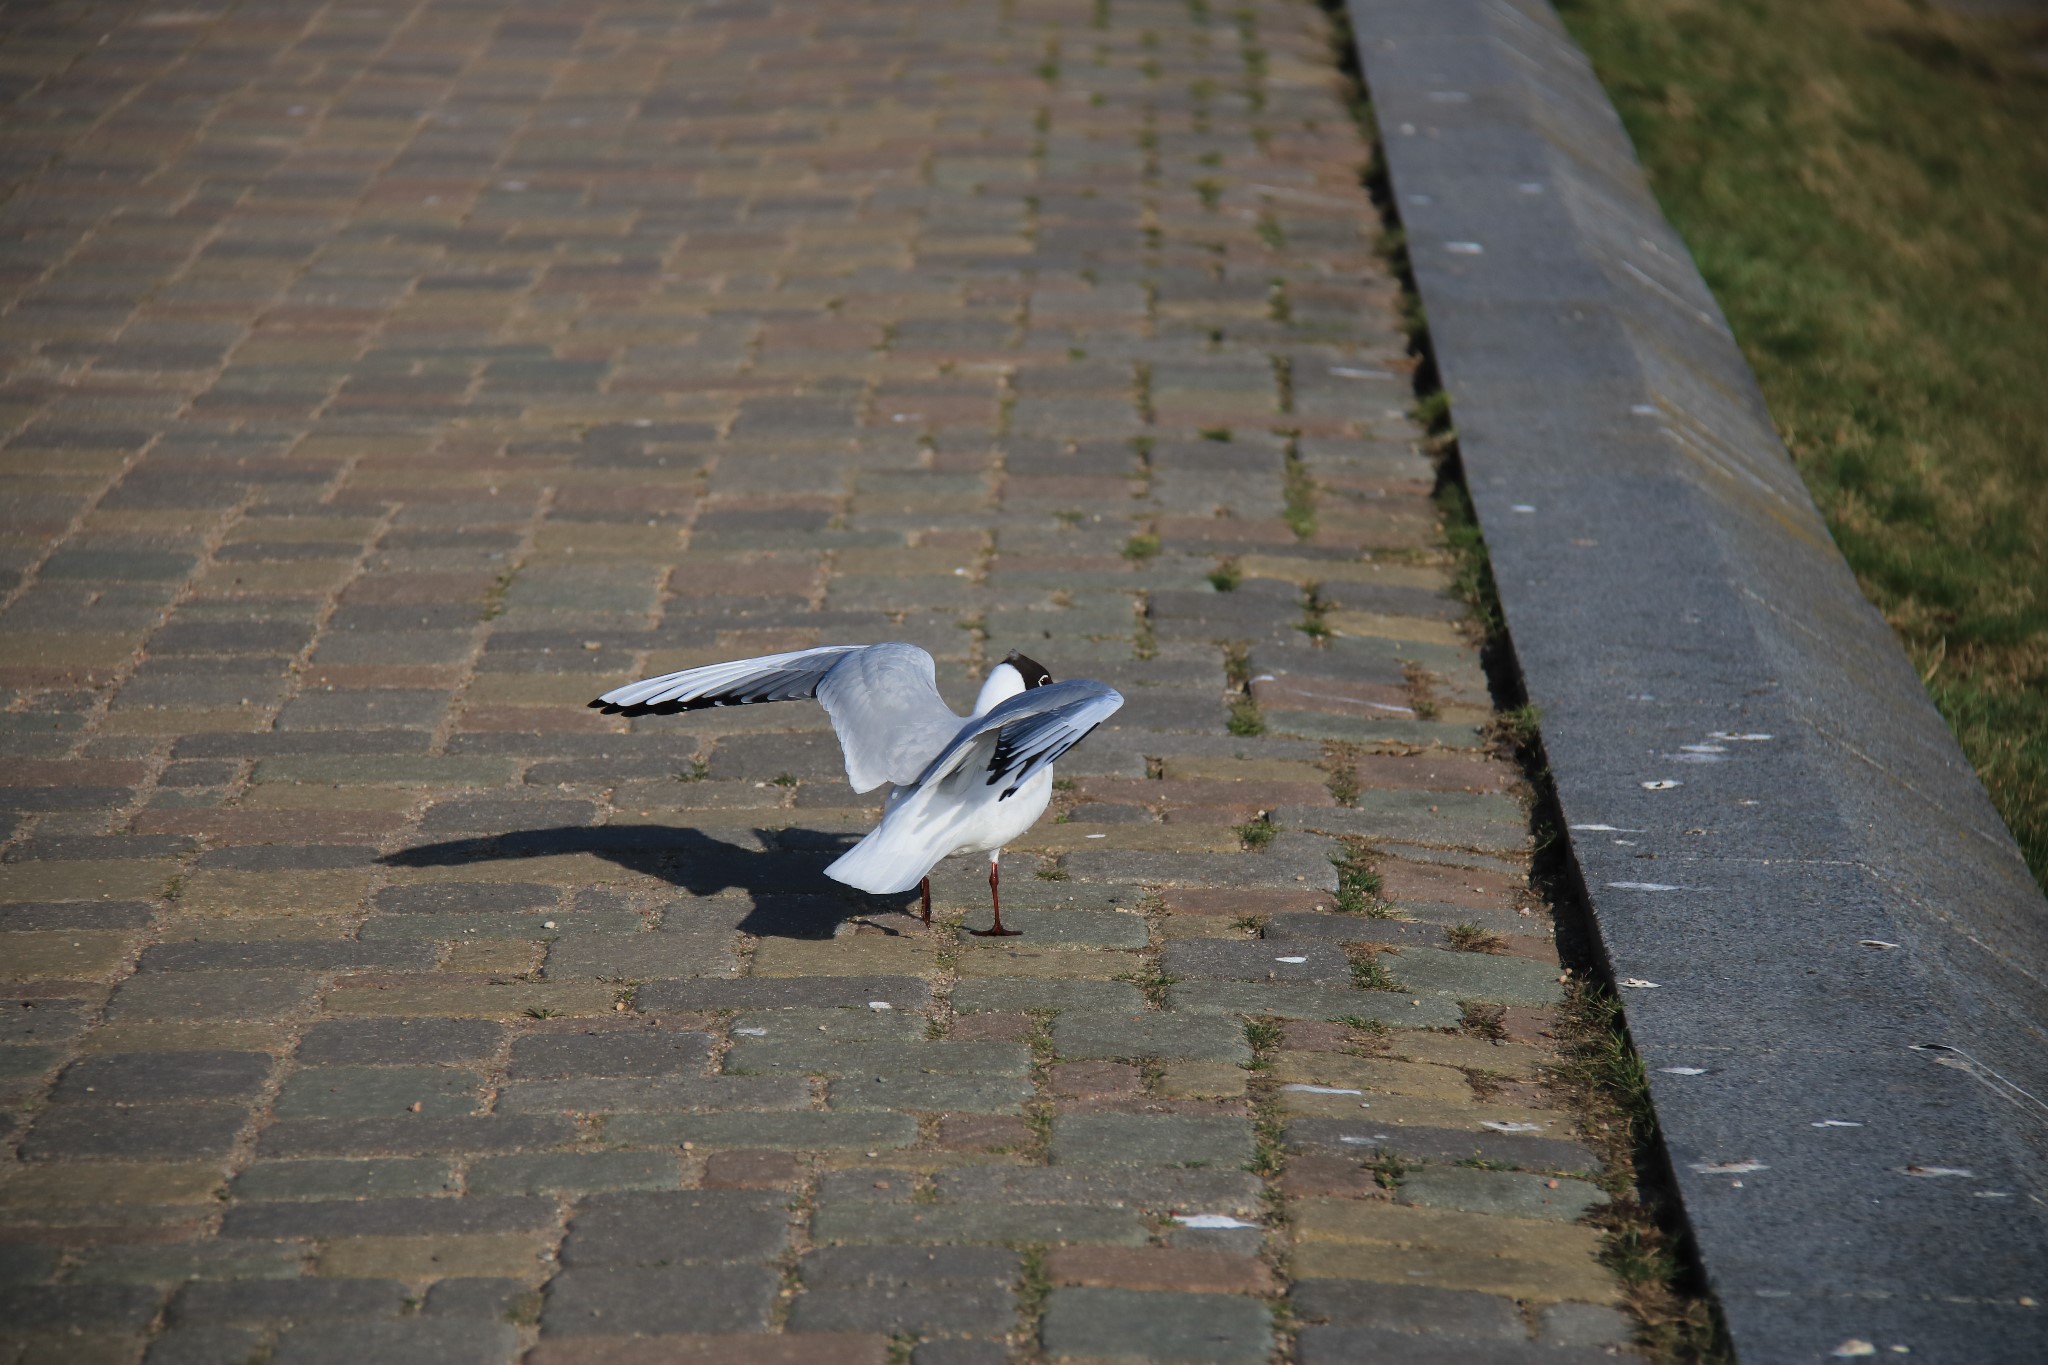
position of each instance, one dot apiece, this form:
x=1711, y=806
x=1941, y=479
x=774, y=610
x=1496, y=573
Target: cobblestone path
x=383, y=381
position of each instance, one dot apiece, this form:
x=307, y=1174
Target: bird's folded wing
x=886, y=708
x=1031, y=729
x=772, y=677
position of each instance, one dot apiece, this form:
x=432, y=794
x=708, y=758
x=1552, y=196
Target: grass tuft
x=1358, y=885
x=1259, y=832
x=1470, y=938
x=1368, y=972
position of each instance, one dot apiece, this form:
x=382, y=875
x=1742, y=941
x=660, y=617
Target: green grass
x=1864, y=184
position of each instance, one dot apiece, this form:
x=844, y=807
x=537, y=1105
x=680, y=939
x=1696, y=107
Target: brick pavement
x=382, y=382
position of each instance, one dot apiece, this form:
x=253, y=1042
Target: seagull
x=957, y=784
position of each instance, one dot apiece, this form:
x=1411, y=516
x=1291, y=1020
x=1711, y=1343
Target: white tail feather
x=888, y=860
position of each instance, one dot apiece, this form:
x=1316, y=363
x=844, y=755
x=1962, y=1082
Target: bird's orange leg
x=995, y=899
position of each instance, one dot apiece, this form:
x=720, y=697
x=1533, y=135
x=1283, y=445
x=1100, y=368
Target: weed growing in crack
x=1358, y=885
x=1484, y=1021
x=1470, y=938
x=1314, y=609
x=1152, y=983
x=1369, y=973
x=1604, y=1076
x=1244, y=708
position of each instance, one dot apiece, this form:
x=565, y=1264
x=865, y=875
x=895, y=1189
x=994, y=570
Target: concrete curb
x=1770, y=820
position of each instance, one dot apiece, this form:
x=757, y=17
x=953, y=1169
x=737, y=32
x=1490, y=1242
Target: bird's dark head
x=1033, y=672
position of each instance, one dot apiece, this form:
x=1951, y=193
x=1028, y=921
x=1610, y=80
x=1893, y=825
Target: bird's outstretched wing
x=772, y=677
x=1031, y=730
x=883, y=699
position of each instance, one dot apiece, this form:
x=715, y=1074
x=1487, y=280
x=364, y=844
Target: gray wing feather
x=1032, y=730
x=883, y=700
x=885, y=706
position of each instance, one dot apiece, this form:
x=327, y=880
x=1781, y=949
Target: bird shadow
x=789, y=895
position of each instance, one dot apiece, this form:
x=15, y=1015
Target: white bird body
x=958, y=784
x=943, y=815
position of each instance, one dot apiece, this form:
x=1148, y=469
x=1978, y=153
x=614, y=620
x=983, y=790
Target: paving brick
x=1587, y=1325
x=209, y=995
x=796, y=1131
x=34, y=1020
x=388, y=1178
x=960, y=1351
x=1079, y=1036
x=512, y=1255
x=822, y=1053
x=491, y=1299
x=610, y=1052
x=147, y=1077
x=914, y=1311
x=286, y=1300
x=164, y=1132
x=881, y=1090
x=348, y=1092
x=1303, y=964
x=173, y=1262
x=995, y=993
x=1478, y=976
x=84, y=1184
x=830, y=992
x=398, y=1042
x=645, y=1300
x=1094, y=1323
x=644, y=1094
x=714, y=1349
x=1159, y=1268
x=1328, y=1345
x=744, y=1170
x=573, y=1173
x=484, y=997
x=389, y=1217
x=989, y=1224
x=1412, y=1308
x=1520, y=1258
x=301, y=956
x=205, y=1344
x=1505, y=1193
x=412, y=1135
x=425, y=1342
x=25, y=1263
x=1393, y=1008
x=706, y=950
x=1449, y=1146
x=1151, y=1140
x=684, y=1227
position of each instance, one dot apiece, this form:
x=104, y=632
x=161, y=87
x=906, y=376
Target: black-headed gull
x=958, y=784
